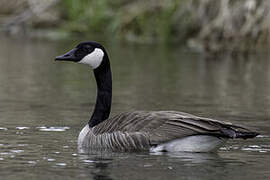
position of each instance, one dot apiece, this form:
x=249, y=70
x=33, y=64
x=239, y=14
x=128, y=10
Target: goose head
x=89, y=53
x=94, y=55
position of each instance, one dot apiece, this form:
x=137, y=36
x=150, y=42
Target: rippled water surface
x=44, y=105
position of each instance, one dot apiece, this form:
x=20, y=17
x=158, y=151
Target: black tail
x=246, y=135
x=239, y=133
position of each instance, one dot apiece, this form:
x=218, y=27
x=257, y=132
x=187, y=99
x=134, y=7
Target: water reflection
x=101, y=171
x=191, y=158
x=157, y=165
x=97, y=165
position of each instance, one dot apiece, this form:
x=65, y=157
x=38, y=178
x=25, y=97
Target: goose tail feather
x=231, y=133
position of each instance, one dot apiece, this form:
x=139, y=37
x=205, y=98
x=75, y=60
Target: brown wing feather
x=162, y=126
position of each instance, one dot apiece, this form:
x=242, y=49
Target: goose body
x=144, y=130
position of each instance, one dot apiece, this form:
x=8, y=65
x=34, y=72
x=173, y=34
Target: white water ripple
x=54, y=129
x=256, y=148
x=22, y=128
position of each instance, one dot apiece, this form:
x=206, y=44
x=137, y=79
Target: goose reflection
x=190, y=158
x=101, y=171
x=97, y=166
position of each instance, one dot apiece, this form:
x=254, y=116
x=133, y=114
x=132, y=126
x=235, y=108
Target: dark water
x=43, y=106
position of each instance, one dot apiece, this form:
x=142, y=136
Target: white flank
x=93, y=59
x=199, y=143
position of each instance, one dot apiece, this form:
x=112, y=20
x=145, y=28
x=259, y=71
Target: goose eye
x=88, y=48
x=80, y=52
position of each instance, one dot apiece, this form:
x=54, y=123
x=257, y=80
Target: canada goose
x=142, y=130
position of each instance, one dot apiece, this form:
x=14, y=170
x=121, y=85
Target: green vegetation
x=212, y=25
x=140, y=21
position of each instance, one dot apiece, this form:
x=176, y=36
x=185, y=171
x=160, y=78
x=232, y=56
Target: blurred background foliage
x=208, y=25
x=139, y=21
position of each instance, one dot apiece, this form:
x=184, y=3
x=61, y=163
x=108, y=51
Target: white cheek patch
x=93, y=59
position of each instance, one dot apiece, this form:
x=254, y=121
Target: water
x=44, y=105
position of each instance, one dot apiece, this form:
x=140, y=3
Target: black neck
x=103, y=77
